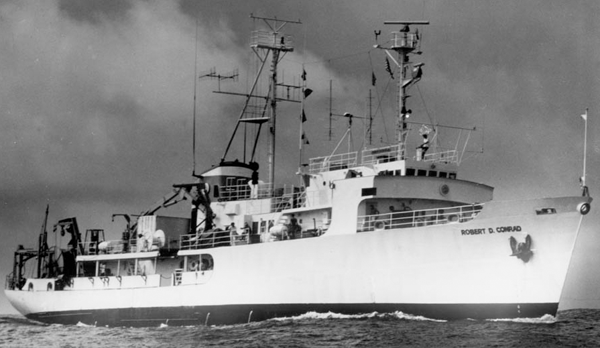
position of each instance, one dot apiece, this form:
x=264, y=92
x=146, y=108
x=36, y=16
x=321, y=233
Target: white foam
x=332, y=315
x=401, y=315
x=84, y=325
x=545, y=319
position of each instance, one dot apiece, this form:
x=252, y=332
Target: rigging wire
x=378, y=109
x=428, y=116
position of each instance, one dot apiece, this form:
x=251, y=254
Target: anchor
x=521, y=250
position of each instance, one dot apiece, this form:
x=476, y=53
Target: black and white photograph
x=308, y=173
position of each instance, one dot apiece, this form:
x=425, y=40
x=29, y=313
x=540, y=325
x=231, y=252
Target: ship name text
x=490, y=230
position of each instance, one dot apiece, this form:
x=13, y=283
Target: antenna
x=370, y=127
x=330, y=106
x=194, y=109
x=584, y=187
x=212, y=74
x=404, y=42
x=264, y=43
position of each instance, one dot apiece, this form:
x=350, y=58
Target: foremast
x=264, y=43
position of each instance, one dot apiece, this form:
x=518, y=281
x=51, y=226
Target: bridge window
x=545, y=211
x=371, y=191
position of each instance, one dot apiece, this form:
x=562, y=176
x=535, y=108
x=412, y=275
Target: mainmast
x=276, y=43
x=404, y=42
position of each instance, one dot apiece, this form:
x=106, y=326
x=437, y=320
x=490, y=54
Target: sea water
x=572, y=328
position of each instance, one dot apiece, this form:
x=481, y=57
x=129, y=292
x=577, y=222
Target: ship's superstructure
x=381, y=229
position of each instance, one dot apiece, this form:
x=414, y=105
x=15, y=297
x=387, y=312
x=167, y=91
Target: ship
x=380, y=229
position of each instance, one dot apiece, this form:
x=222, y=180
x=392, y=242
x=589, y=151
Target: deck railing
x=210, y=239
x=370, y=157
x=286, y=197
x=335, y=162
x=383, y=154
x=108, y=247
x=447, y=156
x=418, y=218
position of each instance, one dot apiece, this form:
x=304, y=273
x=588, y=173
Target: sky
x=98, y=100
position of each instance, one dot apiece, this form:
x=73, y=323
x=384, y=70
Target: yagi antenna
x=213, y=75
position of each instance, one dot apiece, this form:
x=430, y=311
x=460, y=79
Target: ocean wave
x=332, y=315
x=80, y=324
x=19, y=320
x=545, y=319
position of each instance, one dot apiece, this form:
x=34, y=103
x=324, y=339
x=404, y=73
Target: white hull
x=426, y=269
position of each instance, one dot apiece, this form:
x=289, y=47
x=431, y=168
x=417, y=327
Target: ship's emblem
x=521, y=250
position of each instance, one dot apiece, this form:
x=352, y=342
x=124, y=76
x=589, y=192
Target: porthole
x=444, y=189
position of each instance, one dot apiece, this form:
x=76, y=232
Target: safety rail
x=104, y=247
x=224, y=238
x=402, y=39
x=383, y=154
x=446, y=156
x=120, y=246
x=245, y=191
x=260, y=38
x=286, y=197
x=333, y=162
x=210, y=239
x=418, y=218
x=370, y=157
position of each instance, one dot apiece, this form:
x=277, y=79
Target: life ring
x=379, y=225
x=453, y=218
x=583, y=208
x=194, y=266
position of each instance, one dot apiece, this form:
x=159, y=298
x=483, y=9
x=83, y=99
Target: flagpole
x=585, y=118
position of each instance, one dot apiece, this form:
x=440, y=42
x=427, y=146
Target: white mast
x=404, y=42
x=274, y=42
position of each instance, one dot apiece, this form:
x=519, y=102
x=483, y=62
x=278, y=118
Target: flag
x=388, y=68
x=303, y=75
x=373, y=79
x=584, y=116
x=417, y=72
x=304, y=139
x=303, y=116
x=307, y=92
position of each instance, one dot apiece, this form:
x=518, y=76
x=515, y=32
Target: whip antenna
x=194, y=109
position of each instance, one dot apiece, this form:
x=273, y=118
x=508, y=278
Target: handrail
x=111, y=247
x=445, y=156
x=246, y=191
x=418, y=218
x=334, y=162
x=383, y=154
x=210, y=239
